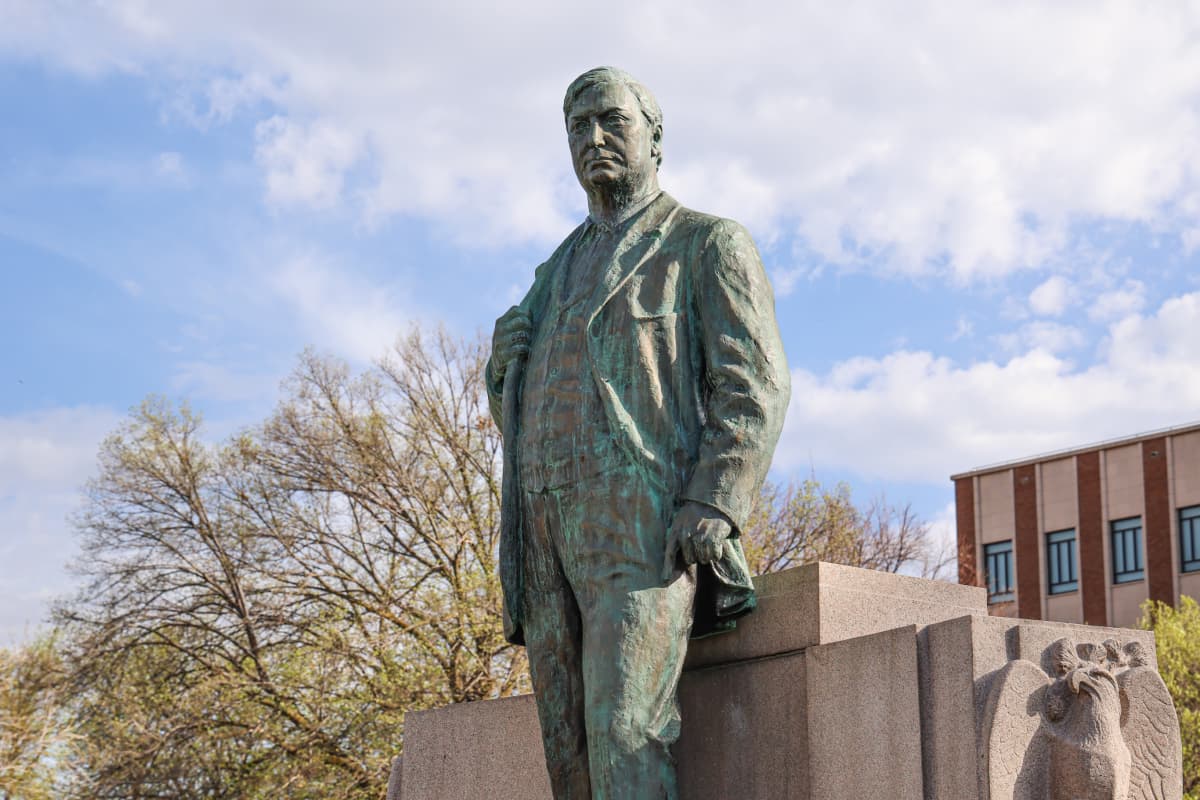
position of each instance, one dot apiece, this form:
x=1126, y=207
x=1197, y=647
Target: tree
x=1177, y=640
x=807, y=521
x=259, y=616
x=33, y=727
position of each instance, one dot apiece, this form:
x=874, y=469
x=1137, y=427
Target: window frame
x=993, y=551
x=1189, y=526
x=1129, y=531
x=1062, y=546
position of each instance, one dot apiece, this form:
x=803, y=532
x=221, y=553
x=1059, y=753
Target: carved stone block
x=814, y=700
x=1018, y=710
x=1091, y=720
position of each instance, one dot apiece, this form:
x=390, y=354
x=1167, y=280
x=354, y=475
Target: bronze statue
x=641, y=386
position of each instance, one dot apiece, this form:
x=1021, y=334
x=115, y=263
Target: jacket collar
x=640, y=241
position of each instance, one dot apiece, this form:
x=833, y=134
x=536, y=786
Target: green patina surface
x=641, y=386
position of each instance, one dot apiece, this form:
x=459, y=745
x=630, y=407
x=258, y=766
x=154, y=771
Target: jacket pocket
x=653, y=291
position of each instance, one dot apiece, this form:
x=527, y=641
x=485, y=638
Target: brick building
x=1086, y=534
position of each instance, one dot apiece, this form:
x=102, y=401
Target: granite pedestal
x=845, y=683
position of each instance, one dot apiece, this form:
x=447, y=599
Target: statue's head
x=1085, y=674
x=614, y=128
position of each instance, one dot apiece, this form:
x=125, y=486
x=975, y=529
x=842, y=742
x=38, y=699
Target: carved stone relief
x=1092, y=722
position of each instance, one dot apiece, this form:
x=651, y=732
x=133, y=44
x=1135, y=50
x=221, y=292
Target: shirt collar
x=625, y=216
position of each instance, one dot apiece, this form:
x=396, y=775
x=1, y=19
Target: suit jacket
x=686, y=354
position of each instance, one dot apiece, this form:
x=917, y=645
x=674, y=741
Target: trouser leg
x=553, y=637
x=634, y=632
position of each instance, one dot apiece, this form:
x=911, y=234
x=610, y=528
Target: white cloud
x=915, y=416
x=1049, y=337
x=45, y=458
x=354, y=319
x=1050, y=299
x=215, y=101
x=305, y=164
x=54, y=447
x=785, y=281
x=970, y=140
x=1130, y=298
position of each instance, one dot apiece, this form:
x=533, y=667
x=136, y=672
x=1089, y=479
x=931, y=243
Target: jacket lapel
x=639, y=243
x=551, y=287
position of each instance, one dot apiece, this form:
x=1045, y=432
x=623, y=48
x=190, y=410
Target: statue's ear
x=656, y=143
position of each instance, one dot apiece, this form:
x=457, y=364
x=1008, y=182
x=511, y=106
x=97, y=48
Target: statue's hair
x=612, y=75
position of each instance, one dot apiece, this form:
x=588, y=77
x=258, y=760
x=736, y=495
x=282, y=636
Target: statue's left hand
x=698, y=533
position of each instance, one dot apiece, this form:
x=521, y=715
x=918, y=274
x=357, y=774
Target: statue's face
x=613, y=147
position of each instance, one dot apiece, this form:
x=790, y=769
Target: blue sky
x=981, y=218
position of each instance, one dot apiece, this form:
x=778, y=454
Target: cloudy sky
x=981, y=218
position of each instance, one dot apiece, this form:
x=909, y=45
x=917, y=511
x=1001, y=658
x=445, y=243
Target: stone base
x=960, y=660
x=846, y=683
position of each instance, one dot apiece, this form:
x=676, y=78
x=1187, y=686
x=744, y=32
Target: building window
x=998, y=564
x=1060, y=562
x=1127, y=550
x=1189, y=538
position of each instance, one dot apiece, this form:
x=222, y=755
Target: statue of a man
x=641, y=386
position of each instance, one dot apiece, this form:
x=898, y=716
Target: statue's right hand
x=512, y=337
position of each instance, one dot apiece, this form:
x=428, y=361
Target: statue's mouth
x=602, y=158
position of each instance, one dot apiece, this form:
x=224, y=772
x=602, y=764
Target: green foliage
x=33, y=729
x=1177, y=637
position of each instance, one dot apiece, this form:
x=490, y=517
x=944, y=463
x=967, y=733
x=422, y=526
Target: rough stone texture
x=879, y=714
x=1031, y=639
x=743, y=736
x=395, y=786
x=966, y=664
x=1095, y=720
x=948, y=705
x=789, y=726
x=742, y=693
x=469, y=751
x=863, y=714
x=825, y=603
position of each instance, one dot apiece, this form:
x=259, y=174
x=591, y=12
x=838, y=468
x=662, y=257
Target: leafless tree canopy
x=805, y=522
